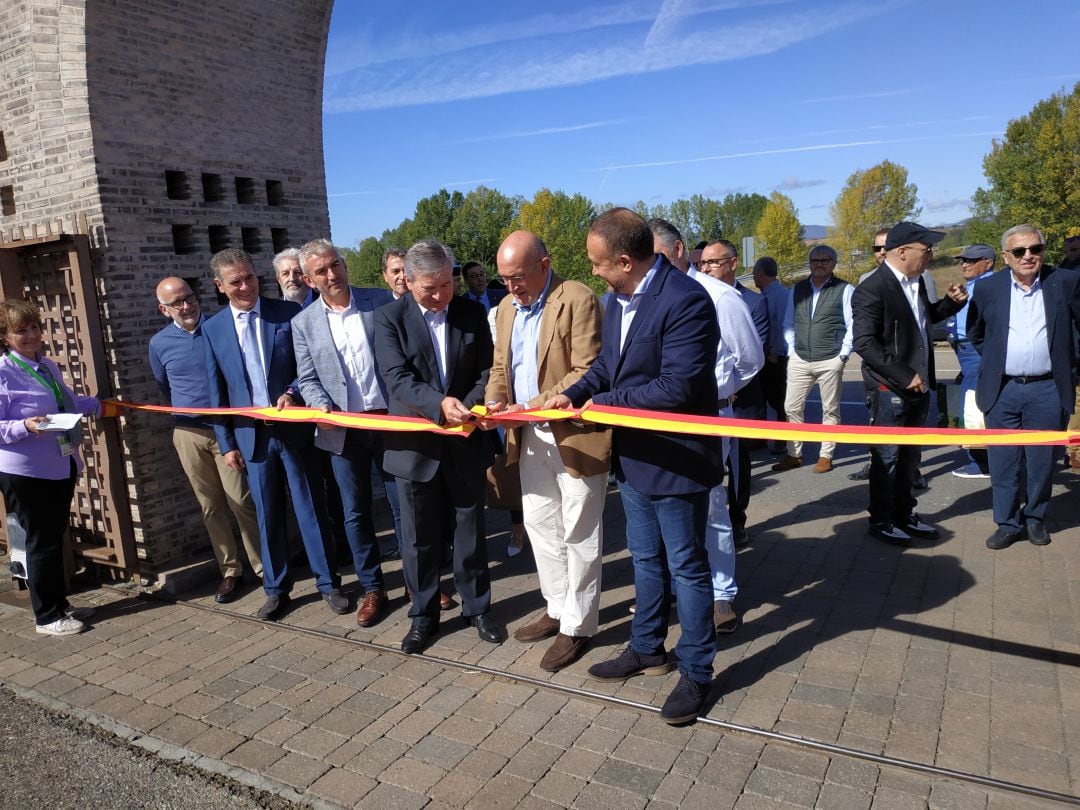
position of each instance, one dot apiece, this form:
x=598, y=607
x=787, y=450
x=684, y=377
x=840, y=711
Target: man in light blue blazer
x=334, y=343
x=250, y=362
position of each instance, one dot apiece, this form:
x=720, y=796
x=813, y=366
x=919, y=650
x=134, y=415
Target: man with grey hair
x=817, y=330
x=1022, y=321
x=250, y=363
x=434, y=352
x=290, y=277
x=334, y=335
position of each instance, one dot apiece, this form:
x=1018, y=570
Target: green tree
x=562, y=221
x=1034, y=173
x=433, y=218
x=739, y=215
x=365, y=263
x=873, y=198
x=478, y=223
x=779, y=233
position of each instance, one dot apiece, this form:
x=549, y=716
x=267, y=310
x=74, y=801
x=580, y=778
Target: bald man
x=178, y=360
x=547, y=335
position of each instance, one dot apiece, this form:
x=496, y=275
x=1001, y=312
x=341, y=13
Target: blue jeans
x=352, y=470
x=1035, y=406
x=669, y=531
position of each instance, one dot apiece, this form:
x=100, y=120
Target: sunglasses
x=878, y=248
x=1018, y=252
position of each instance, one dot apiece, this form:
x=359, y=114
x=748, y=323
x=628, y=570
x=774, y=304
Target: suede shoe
x=725, y=619
x=1003, y=538
x=564, y=651
x=420, y=634
x=787, y=463
x=273, y=608
x=337, y=601
x=488, y=629
x=226, y=591
x=544, y=627
x=1037, y=534
x=914, y=526
x=685, y=702
x=629, y=663
x=371, y=608
x=823, y=465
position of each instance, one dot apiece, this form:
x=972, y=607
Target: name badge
x=66, y=447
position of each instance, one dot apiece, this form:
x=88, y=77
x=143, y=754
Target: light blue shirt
x=1028, y=351
x=630, y=304
x=961, y=316
x=524, y=346
x=776, y=298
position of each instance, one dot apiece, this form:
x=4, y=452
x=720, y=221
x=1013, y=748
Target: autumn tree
x=562, y=221
x=779, y=233
x=1033, y=173
x=873, y=198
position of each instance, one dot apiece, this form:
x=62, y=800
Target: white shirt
x=739, y=355
x=910, y=288
x=436, y=324
x=240, y=319
x=630, y=305
x=357, y=358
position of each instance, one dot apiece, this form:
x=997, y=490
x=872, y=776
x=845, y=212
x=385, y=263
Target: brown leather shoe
x=787, y=463
x=823, y=465
x=544, y=627
x=564, y=651
x=371, y=608
x=725, y=619
x=445, y=602
x=226, y=591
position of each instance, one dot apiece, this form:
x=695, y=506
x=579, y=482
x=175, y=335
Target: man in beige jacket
x=548, y=334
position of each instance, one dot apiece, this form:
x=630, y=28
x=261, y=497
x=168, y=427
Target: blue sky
x=659, y=99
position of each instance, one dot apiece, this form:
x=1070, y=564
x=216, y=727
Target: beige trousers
x=801, y=377
x=218, y=488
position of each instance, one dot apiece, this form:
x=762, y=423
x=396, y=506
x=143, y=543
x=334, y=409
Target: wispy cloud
x=470, y=182
x=859, y=96
x=533, y=133
x=352, y=194
x=938, y=204
x=821, y=147
x=795, y=183
x=594, y=44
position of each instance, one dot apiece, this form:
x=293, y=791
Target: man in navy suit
x=892, y=313
x=334, y=343
x=250, y=362
x=1022, y=322
x=659, y=353
x=434, y=351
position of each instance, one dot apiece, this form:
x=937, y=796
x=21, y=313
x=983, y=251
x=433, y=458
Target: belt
x=1024, y=379
x=723, y=403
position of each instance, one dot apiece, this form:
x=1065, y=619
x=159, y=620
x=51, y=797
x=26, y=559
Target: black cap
x=906, y=233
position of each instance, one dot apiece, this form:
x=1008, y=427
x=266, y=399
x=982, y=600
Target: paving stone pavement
x=945, y=654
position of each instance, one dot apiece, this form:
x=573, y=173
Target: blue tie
x=256, y=374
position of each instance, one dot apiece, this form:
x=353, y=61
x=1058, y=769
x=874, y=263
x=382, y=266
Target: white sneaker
x=970, y=470
x=79, y=613
x=62, y=627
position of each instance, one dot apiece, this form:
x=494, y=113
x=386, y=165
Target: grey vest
x=819, y=337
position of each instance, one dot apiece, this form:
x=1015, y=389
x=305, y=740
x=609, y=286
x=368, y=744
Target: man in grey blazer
x=334, y=344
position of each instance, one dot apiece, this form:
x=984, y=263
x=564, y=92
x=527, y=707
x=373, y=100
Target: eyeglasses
x=920, y=249
x=187, y=300
x=1018, y=252
x=878, y=248
x=962, y=260
x=823, y=261
x=512, y=281
x=714, y=264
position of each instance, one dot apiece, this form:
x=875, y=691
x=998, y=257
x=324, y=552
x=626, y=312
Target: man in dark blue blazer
x=250, y=362
x=1022, y=321
x=434, y=352
x=659, y=353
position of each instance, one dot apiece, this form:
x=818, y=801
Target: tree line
x=1033, y=176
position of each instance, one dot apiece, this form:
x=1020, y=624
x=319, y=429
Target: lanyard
x=49, y=383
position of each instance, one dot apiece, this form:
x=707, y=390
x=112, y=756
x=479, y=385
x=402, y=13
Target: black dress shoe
x=226, y=591
x=1003, y=538
x=273, y=608
x=420, y=634
x=488, y=629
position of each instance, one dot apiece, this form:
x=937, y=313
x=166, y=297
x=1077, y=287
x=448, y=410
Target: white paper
x=60, y=421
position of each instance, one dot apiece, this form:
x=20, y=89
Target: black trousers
x=424, y=509
x=749, y=404
x=43, y=508
x=774, y=385
x=894, y=468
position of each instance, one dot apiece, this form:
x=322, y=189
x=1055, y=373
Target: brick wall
x=121, y=92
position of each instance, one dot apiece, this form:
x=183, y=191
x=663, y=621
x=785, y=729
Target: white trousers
x=801, y=376
x=563, y=516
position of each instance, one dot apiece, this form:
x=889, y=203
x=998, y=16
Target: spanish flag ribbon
x=610, y=416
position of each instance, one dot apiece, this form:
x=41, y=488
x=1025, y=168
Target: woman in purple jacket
x=39, y=462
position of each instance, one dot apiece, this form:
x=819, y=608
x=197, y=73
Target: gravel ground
x=48, y=760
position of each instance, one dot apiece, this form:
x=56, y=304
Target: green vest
x=819, y=337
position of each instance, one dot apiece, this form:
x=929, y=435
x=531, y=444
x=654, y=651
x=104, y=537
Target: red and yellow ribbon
x=641, y=420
